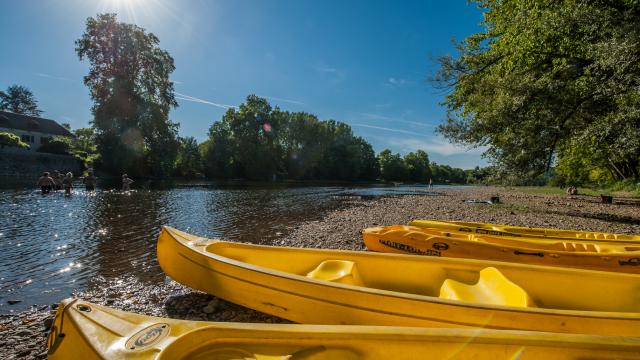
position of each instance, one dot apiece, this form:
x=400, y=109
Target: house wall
x=23, y=169
x=36, y=136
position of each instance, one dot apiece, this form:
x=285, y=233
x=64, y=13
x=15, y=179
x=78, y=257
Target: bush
x=12, y=140
x=57, y=145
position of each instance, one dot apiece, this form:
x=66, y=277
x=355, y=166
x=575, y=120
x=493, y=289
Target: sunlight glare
x=140, y=12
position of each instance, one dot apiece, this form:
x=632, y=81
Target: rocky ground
x=24, y=335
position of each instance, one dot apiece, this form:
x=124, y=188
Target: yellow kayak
x=405, y=239
x=87, y=331
x=351, y=287
x=508, y=230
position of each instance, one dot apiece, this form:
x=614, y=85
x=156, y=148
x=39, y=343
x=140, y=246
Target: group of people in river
x=57, y=181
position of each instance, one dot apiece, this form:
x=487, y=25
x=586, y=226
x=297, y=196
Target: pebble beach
x=23, y=335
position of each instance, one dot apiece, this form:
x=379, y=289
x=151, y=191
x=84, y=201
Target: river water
x=53, y=244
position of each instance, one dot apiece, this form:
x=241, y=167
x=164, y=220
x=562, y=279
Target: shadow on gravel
x=201, y=306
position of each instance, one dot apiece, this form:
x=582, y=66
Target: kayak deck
x=351, y=287
x=551, y=252
x=82, y=330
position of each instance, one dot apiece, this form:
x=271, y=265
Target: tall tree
x=20, y=100
x=132, y=94
x=418, y=166
x=256, y=141
x=392, y=166
x=189, y=162
x=547, y=76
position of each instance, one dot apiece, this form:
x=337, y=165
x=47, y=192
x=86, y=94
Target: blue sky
x=361, y=62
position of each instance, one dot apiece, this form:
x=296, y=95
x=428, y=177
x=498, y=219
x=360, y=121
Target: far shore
x=23, y=335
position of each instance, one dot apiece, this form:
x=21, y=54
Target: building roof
x=31, y=123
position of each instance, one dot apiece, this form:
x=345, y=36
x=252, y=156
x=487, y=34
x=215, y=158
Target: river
x=51, y=245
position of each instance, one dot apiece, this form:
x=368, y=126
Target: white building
x=32, y=130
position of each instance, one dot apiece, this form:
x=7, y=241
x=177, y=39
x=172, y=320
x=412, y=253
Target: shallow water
x=53, y=244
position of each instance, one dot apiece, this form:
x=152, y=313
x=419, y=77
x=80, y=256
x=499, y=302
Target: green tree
x=217, y=152
x=20, y=100
x=392, y=166
x=254, y=149
x=189, y=162
x=11, y=140
x=302, y=149
x=547, y=76
x=83, y=146
x=132, y=94
x=417, y=164
x=57, y=145
x=480, y=175
x=369, y=165
x=258, y=142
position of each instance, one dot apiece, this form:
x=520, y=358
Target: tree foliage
x=57, y=145
x=258, y=142
x=132, y=94
x=20, y=100
x=189, y=161
x=417, y=164
x=82, y=146
x=445, y=174
x=550, y=81
x=12, y=140
x=392, y=166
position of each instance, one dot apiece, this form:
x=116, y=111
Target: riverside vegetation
x=549, y=89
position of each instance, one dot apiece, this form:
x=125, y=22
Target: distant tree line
x=258, y=142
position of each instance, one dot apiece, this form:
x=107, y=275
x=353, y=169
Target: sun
x=147, y=13
x=127, y=10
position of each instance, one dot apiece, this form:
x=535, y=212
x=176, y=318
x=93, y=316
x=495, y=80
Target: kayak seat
x=340, y=271
x=492, y=288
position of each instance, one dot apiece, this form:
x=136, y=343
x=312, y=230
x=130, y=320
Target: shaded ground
x=23, y=335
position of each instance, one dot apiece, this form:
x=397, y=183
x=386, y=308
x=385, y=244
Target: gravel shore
x=23, y=335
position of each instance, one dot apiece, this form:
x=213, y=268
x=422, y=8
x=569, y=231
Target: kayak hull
x=519, y=231
x=396, y=290
x=404, y=239
x=96, y=332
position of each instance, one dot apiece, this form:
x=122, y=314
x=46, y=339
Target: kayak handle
x=518, y=252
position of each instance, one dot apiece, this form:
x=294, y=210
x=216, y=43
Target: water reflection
x=51, y=245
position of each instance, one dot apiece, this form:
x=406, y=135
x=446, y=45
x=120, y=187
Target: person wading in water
x=46, y=183
x=67, y=182
x=89, y=181
x=126, y=182
x=57, y=180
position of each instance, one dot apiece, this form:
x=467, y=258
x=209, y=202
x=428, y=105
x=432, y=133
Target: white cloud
x=202, y=101
x=387, y=118
x=48, y=76
x=332, y=73
x=397, y=82
x=435, y=145
x=284, y=100
x=386, y=129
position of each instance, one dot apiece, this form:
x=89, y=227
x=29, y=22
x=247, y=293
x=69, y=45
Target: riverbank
x=23, y=335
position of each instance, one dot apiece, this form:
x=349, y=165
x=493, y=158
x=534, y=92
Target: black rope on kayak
x=64, y=311
x=54, y=341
